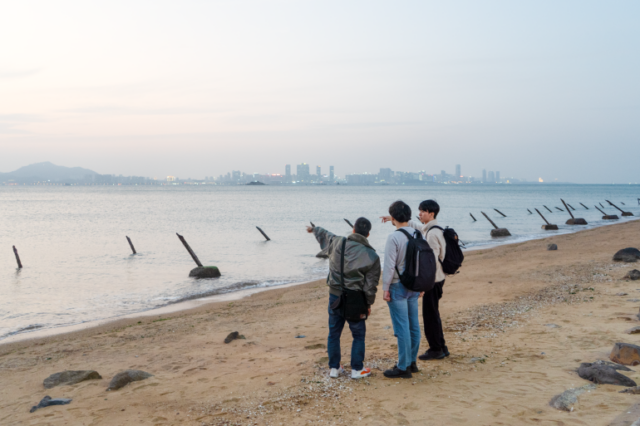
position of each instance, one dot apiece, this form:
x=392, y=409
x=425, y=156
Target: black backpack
x=420, y=264
x=453, y=256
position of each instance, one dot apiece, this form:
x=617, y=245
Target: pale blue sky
x=198, y=88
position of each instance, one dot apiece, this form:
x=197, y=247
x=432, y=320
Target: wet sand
x=518, y=321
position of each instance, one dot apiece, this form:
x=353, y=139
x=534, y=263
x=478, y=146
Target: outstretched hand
x=385, y=219
x=309, y=229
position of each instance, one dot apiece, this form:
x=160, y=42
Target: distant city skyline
x=48, y=173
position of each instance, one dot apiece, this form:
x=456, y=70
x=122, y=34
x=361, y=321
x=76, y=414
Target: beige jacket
x=436, y=241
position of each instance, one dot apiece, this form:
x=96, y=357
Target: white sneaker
x=335, y=372
x=365, y=372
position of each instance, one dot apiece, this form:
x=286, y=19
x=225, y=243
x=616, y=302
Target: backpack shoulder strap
x=435, y=227
x=344, y=246
x=405, y=233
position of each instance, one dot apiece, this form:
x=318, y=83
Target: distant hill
x=47, y=171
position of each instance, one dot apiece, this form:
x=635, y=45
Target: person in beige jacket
x=429, y=228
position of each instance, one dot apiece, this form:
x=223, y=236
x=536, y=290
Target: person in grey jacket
x=361, y=273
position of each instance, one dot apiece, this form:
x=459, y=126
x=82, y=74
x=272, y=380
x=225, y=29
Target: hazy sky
x=198, y=88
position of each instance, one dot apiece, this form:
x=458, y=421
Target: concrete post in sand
x=200, y=271
x=133, y=249
x=619, y=209
x=15, y=251
x=548, y=226
x=474, y=219
x=263, y=234
x=607, y=216
x=349, y=223
x=497, y=232
x=503, y=215
x=573, y=220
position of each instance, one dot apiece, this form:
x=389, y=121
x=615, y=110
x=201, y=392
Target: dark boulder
x=627, y=214
x=576, y=221
x=70, y=378
x=603, y=374
x=552, y=247
x=205, y=272
x=47, y=401
x=610, y=217
x=500, y=232
x=633, y=275
x=615, y=366
x=628, y=254
x=550, y=227
x=233, y=336
x=126, y=377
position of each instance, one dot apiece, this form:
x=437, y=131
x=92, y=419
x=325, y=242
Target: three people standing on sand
x=360, y=271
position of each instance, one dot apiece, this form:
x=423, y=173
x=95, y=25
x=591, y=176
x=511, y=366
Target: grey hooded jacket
x=361, y=263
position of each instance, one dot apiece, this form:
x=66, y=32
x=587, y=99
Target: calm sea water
x=78, y=266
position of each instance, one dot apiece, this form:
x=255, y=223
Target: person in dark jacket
x=361, y=273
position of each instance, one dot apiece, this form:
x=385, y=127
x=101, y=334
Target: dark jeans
x=358, y=331
x=431, y=318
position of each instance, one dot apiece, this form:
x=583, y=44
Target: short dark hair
x=430, y=206
x=400, y=211
x=362, y=226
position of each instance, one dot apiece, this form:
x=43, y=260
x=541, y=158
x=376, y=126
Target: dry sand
x=518, y=321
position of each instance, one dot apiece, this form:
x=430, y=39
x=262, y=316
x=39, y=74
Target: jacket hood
x=360, y=239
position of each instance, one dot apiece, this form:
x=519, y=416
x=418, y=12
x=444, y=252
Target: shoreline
x=180, y=307
x=518, y=321
x=196, y=302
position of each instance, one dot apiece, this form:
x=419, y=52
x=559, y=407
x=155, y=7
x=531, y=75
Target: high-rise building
x=458, y=171
x=498, y=177
x=492, y=177
x=331, y=175
x=319, y=172
x=385, y=175
x=287, y=172
x=235, y=175
x=302, y=170
x=484, y=176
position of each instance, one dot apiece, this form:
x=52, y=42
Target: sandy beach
x=518, y=321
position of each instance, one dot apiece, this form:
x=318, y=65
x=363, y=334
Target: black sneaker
x=396, y=373
x=446, y=351
x=431, y=355
x=413, y=367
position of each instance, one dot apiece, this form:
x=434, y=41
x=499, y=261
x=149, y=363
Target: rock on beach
x=566, y=399
x=604, y=374
x=70, y=377
x=47, y=401
x=633, y=275
x=629, y=254
x=126, y=377
x=552, y=247
x=625, y=354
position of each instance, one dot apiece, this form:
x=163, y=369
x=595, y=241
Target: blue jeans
x=358, y=331
x=406, y=326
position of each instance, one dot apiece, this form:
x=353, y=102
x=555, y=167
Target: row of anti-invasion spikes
x=212, y=271
x=504, y=232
